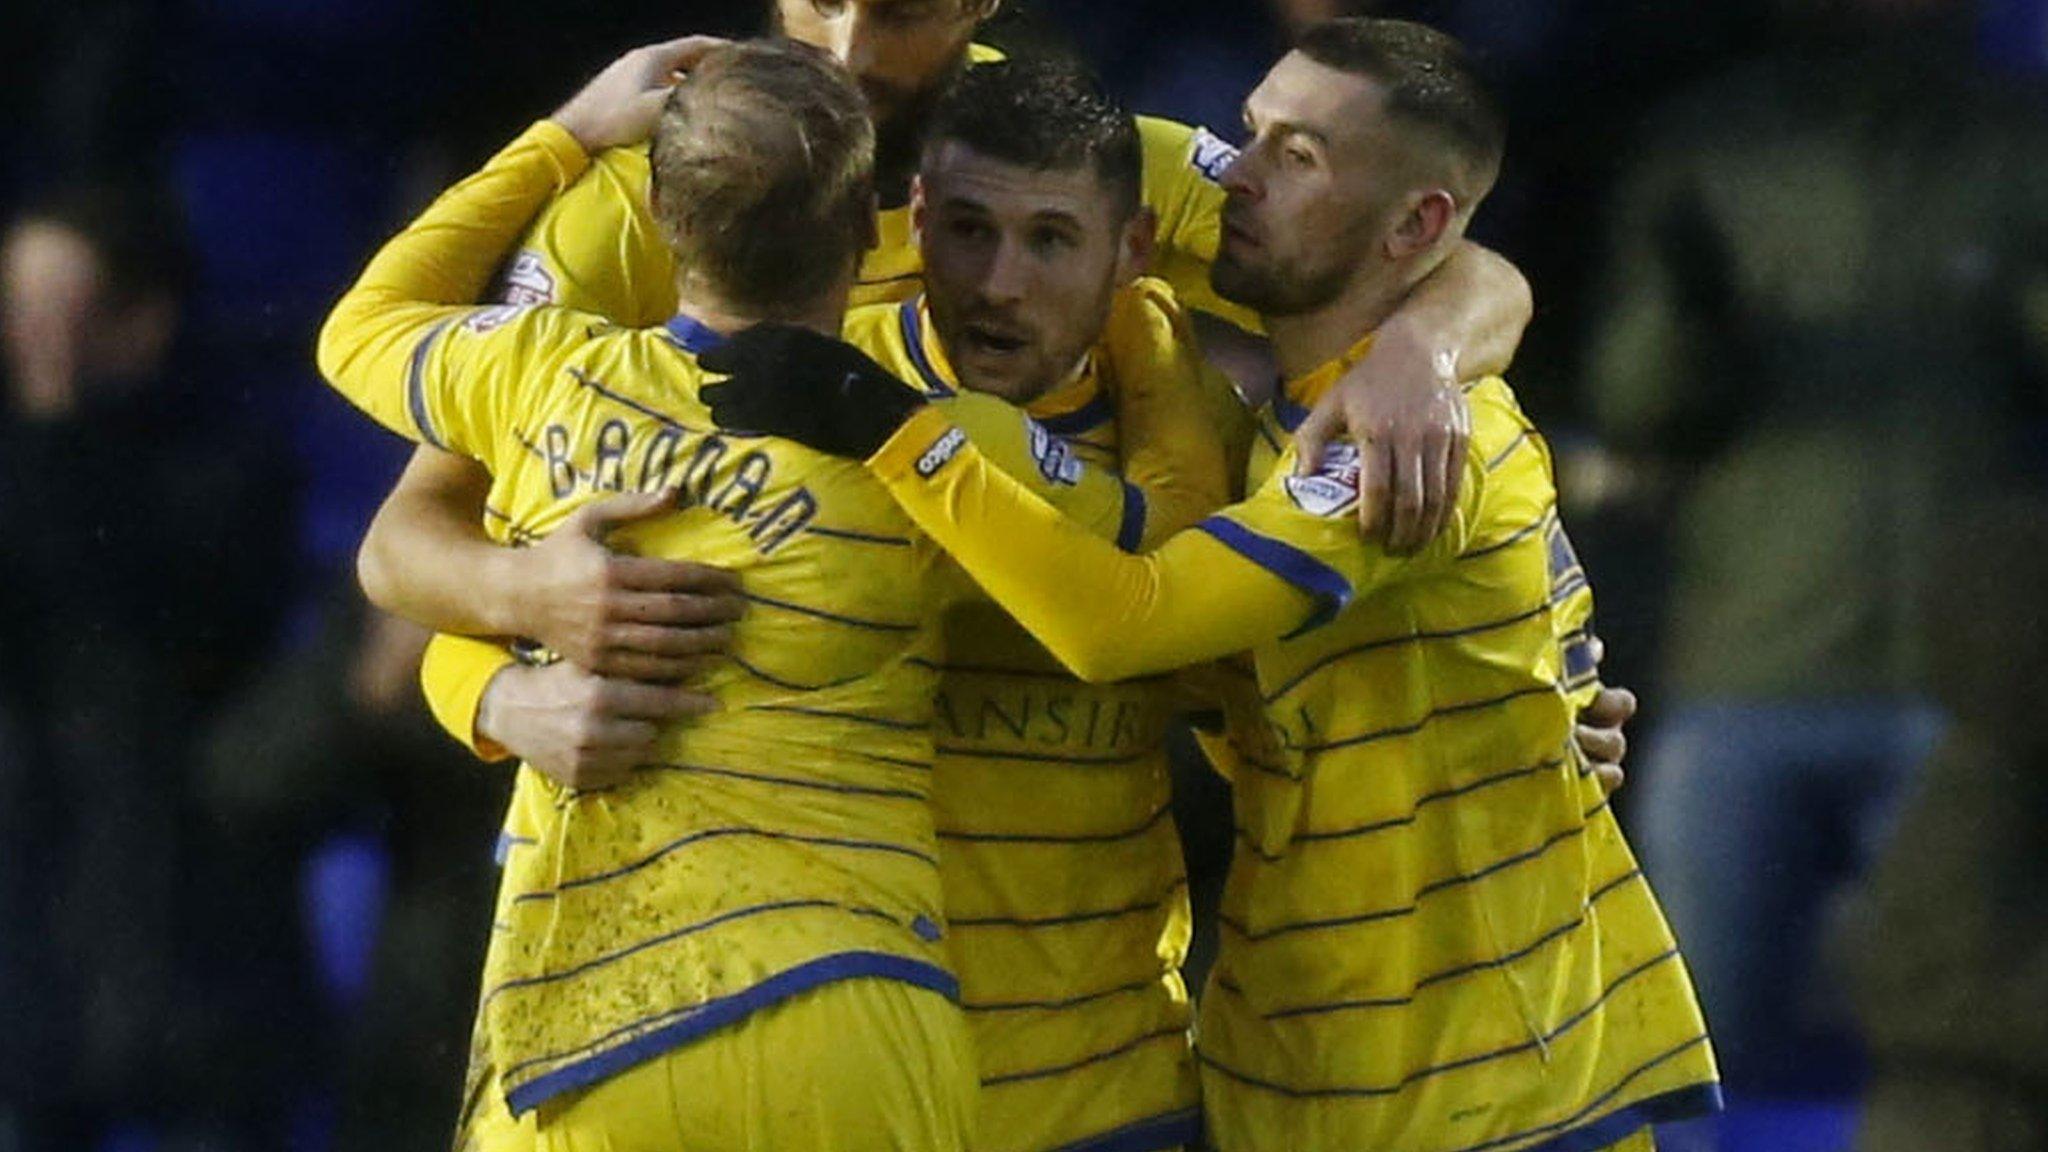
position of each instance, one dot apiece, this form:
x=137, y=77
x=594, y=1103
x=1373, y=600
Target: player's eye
x=968, y=228
x=1299, y=157
x=1052, y=241
x=828, y=8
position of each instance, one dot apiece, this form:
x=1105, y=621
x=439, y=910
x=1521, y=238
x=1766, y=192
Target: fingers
x=662, y=655
x=670, y=642
x=1315, y=435
x=1611, y=778
x=1602, y=745
x=1611, y=708
x=678, y=55
x=1460, y=450
x=1409, y=503
x=650, y=574
x=1375, y=487
x=598, y=518
x=1436, y=472
x=627, y=701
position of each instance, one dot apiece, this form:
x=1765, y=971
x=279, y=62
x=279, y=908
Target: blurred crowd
x=1791, y=267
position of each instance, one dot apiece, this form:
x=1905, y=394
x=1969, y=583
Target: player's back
x=1434, y=935
x=782, y=843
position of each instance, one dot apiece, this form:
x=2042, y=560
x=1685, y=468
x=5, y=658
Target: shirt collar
x=693, y=336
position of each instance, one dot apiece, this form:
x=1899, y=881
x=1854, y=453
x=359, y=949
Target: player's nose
x=1007, y=277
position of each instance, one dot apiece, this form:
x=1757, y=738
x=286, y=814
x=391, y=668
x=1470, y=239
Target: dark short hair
x=1430, y=83
x=1044, y=114
x=763, y=172
x=136, y=233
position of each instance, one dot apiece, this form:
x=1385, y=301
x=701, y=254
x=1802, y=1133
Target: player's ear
x=917, y=209
x=1428, y=219
x=1134, y=246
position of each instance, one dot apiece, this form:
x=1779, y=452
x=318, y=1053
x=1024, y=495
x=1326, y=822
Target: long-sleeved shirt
x=1435, y=937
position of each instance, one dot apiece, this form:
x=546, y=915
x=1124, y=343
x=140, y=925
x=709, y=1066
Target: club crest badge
x=1332, y=489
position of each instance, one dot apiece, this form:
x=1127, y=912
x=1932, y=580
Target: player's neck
x=1308, y=340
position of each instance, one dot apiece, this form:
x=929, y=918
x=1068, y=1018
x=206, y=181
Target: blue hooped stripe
x=1288, y=412
x=1172, y=1130
x=1130, y=531
x=1287, y=562
x=674, y=1029
x=416, y=385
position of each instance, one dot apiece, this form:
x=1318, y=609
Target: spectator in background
x=1817, y=324
x=335, y=736
x=1948, y=947
x=145, y=554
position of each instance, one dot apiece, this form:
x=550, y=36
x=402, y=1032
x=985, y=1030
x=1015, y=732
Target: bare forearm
x=1474, y=307
x=427, y=557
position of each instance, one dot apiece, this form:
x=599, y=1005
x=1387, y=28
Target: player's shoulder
x=1187, y=151
x=628, y=166
x=615, y=184
x=1147, y=318
x=1497, y=414
x=876, y=329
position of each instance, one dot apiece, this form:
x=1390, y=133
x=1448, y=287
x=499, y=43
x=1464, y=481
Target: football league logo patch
x=1056, y=459
x=1210, y=155
x=485, y=319
x=1332, y=489
x=527, y=281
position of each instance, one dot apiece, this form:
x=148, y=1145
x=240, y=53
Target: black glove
x=804, y=386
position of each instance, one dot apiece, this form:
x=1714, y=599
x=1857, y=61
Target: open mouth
x=994, y=341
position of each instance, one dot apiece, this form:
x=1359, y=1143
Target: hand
x=1601, y=737
x=805, y=386
x=1403, y=406
x=582, y=731
x=616, y=614
x=620, y=105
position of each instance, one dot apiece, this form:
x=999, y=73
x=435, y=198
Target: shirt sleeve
x=595, y=247
x=1105, y=614
x=1183, y=167
x=1098, y=501
x=407, y=346
x=1171, y=451
x=1287, y=558
x=454, y=673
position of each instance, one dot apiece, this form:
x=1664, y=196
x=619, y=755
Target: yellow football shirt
x=1434, y=935
x=597, y=246
x=1064, y=884
x=782, y=844
x=1061, y=865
